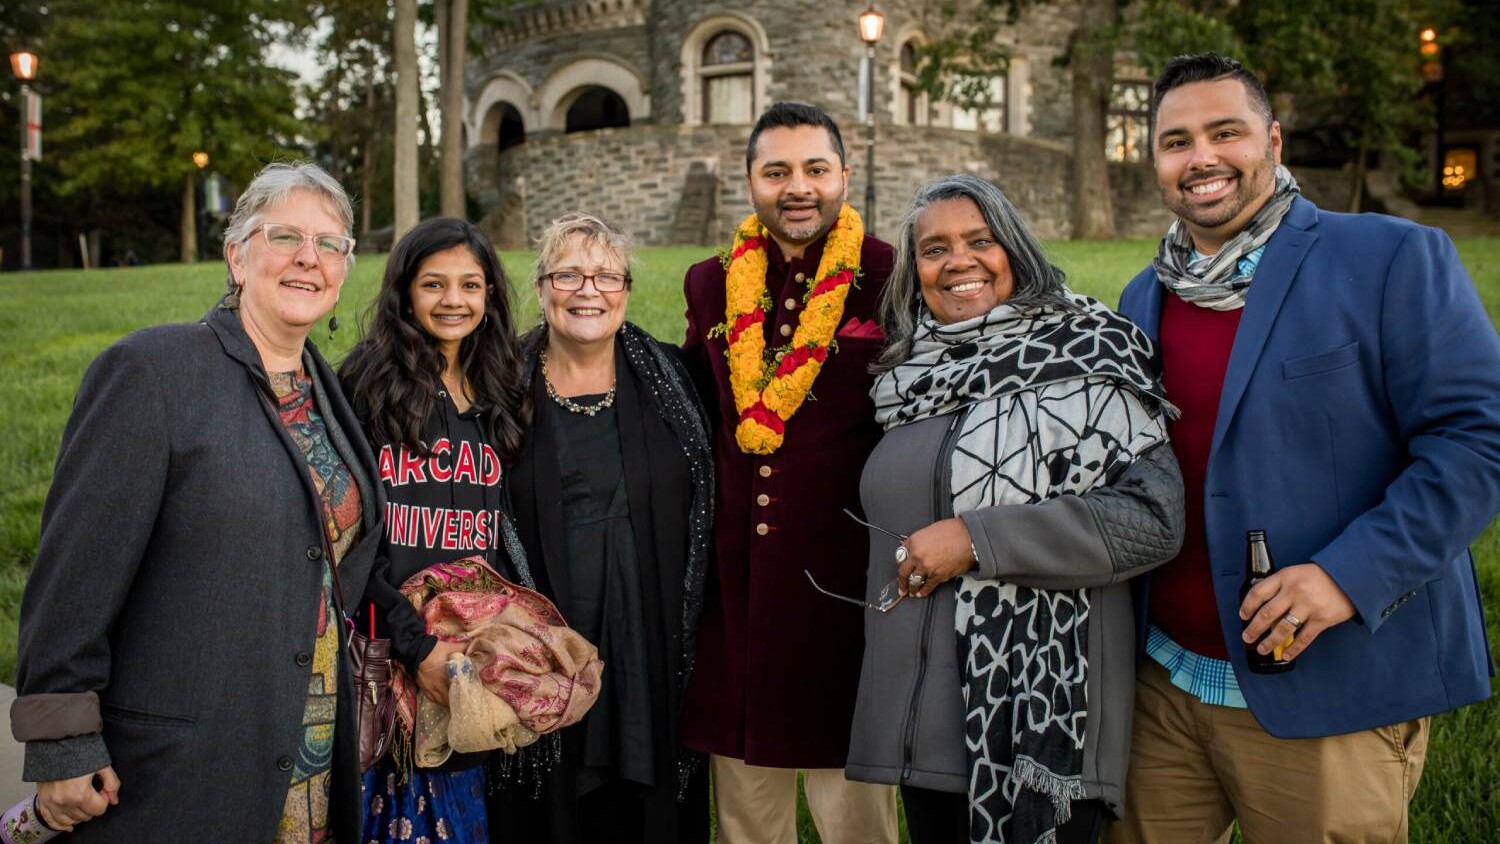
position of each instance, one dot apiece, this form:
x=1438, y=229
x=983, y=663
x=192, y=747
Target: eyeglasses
x=890, y=594
x=571, y=280
x=288, y=240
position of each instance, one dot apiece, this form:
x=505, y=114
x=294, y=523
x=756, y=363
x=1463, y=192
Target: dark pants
x=942, y=817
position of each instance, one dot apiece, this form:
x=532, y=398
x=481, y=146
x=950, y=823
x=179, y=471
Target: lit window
x=1127, y=130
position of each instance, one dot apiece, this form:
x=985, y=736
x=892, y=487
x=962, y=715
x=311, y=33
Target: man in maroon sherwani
x=778, y=664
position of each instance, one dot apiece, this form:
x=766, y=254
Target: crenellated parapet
x=533, y=21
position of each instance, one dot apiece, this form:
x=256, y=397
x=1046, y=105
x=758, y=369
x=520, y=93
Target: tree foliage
x=133, y=89
x=139, y=86
x=1353, y=65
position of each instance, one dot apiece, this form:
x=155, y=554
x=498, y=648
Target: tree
x=452, y=26
x=1092, y=60
x=407, y=90
x=137, y=88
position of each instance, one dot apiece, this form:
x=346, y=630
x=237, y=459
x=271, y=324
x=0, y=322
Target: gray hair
x=273, y=184
x=595, y=231
x=1037, y=281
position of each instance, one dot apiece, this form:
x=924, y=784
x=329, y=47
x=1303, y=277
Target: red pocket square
x=869, y=330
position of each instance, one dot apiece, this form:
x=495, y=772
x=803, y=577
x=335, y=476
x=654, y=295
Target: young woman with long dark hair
x=436, y=382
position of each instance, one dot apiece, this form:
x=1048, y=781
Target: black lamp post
x=23, y=65
x=871, y=26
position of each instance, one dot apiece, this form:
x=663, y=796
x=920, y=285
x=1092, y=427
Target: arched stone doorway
x=511, y=129
x=596, y=107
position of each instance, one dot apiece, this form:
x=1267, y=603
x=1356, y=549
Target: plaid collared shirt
x=1205, y=678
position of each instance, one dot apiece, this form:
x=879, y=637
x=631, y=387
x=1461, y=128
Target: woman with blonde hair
x=612, y=493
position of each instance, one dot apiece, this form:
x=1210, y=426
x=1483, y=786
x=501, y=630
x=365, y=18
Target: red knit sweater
x=1195, y=344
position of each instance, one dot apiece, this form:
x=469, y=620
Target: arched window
x=727, y=73
x=911, y=101
x=596, y=107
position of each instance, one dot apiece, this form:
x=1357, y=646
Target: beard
x=1250, y=188
x=801, y=232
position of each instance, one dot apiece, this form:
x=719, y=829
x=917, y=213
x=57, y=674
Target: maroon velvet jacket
x=778, y=664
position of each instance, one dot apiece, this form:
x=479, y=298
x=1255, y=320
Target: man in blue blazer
x=1339, y=384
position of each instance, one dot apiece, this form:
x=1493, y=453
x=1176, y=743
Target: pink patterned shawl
x=520, y=646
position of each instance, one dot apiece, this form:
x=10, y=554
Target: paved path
x=11, y=787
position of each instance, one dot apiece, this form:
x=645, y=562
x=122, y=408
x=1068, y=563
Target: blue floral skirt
x=428, y=808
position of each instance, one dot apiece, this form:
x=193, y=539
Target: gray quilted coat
x=909, y=717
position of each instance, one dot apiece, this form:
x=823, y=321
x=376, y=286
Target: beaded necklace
x=568, y=404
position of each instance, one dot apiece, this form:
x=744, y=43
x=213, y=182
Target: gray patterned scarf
x=1212, y=281
x=1060, y=399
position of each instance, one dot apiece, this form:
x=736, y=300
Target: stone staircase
x=692, y=224
x=1461, y=222
x=505, y=224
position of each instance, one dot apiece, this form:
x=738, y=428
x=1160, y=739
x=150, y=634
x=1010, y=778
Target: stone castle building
x=640, y=109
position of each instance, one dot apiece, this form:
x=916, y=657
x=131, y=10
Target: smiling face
x=1216, y=158
x=448, y=295
x=797, y=185
x=963, y=269
x=284, y=295
x=585, y=316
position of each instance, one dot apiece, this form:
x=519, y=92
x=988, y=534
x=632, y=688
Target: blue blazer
x=1359, y=425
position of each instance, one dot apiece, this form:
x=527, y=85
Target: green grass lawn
x=53, y=323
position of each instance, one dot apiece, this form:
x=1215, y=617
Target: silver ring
x=901, y=554
x=1292, y=620
x=915, y=580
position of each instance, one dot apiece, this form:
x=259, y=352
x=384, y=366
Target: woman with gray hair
x=612, y=494
x=1022, y=479
x=182, y=669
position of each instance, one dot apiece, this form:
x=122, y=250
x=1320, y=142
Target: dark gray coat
x=170, y=615
x=909, y=718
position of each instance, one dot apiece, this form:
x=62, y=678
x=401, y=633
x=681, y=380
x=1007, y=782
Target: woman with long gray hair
x=1023, y=477
x=183, y=670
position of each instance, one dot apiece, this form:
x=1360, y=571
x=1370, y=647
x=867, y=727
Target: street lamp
x=871, y=26
x=200, y=161
x=24, y=65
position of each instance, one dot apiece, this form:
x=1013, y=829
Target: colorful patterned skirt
x=428, y=808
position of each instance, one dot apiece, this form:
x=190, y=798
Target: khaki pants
x=1195, y=768
x=758, y=805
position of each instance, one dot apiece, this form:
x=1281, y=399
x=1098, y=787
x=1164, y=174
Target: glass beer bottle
x=1258, y=567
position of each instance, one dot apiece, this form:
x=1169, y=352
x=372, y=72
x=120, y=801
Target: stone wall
x=636, y=177
x=814, y=50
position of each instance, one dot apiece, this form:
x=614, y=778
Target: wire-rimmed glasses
x=287, y=239
x=890, y=594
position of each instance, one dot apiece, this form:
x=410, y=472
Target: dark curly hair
x=393, y=375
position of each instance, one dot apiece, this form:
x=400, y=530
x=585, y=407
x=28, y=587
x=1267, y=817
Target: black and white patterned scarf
x=1059, y=401
x=1213, y=281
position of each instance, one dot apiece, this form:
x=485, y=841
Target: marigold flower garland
x=769, y=386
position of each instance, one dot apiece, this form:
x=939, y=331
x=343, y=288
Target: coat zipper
x=939, y=484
